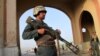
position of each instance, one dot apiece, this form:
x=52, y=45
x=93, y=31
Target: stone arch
x=22, y=7
x=59, y=10
x=66, y=6
x=58, y=4
x=93, y=8
x=87, y=22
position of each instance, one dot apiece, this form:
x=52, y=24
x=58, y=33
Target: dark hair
x=40, y=12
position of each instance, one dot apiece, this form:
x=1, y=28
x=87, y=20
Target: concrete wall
x=89, y=6
x=1, y=26
x=97, y=16
x=11, y=40
x=11, y=48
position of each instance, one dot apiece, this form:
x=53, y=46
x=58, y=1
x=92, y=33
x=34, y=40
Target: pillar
x=11, y=48
x=1, y=26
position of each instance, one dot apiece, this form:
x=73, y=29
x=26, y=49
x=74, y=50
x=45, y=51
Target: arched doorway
x=56, y=20
x=87, y=27
x=64, y=5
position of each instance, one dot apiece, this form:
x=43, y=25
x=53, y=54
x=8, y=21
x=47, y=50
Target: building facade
x=82, y=13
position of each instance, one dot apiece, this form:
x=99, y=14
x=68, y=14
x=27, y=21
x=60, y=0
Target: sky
x=54, y=18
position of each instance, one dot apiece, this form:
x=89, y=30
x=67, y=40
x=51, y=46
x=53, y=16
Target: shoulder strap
x=29, y=20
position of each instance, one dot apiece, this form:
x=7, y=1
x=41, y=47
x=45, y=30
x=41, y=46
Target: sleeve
x=29, y=33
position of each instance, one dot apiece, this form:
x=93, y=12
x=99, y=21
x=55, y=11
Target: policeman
x=95, y=44
x=44, y=41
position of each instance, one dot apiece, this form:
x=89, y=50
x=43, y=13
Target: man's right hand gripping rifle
x=42, y=29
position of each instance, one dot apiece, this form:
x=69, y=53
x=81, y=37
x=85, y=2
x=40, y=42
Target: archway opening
x=87, y=25
x=54, y=18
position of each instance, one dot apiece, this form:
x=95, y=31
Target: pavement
x=64, y=53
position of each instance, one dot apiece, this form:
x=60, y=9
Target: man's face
x=94, y=34
x=42, y=15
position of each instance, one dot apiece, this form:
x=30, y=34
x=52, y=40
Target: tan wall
x=11, y=48
x=97, y=19
x=1, y=26
x=76, y=32
x=91, y=8
x=76, y=27
x=1, y=21
x=11, y=27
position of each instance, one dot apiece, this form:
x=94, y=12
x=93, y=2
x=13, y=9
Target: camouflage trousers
x=46, y=51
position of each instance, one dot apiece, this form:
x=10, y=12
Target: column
x=1, y=26
x=11, y=48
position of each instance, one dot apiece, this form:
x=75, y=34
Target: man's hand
x=41, y=31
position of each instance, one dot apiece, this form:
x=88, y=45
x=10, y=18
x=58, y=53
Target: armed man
x=94, y=43
x=43, y=34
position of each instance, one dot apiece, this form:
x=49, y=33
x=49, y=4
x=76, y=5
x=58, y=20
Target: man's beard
x=43, y=18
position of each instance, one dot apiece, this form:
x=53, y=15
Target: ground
x=64, y=53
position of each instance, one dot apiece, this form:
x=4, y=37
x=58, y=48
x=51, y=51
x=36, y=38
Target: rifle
x=73, y=48
x=38, y=25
